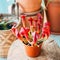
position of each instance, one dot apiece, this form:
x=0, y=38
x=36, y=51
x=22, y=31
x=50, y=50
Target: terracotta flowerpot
x=29, y=5
x=33, y=51
x=53, y=14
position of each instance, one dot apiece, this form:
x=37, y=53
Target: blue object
x=56, y=38
x=3, y=59
x=4, y=4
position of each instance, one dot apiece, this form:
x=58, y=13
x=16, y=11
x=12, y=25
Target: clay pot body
x=33, y=51
x=53, y=14
x=29, y=5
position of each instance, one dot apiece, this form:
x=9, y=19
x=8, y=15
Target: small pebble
x=29, y=44
x=25, y=43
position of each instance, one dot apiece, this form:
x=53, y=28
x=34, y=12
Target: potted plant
x=29, y=5
x=34, y=35
x=53, y=14
x=6, y=36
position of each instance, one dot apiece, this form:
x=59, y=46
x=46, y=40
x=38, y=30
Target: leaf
x=2, y=22
x=30, y=36
x=40, y=41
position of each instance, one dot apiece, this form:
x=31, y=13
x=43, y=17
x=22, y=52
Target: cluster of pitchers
x=53, y=11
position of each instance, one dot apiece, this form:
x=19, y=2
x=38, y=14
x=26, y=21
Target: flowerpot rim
x=32, y=46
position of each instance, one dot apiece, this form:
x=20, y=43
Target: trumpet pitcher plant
x=36, y=33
